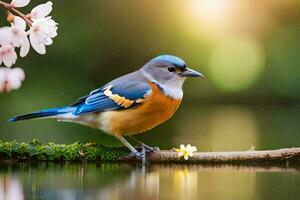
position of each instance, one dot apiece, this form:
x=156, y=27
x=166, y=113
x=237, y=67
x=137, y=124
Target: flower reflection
x=10, y=189
x=186, y=183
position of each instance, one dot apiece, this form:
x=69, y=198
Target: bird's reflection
x=141, y=183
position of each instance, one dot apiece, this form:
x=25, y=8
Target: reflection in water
x=139, y=185
x=123, y=181
x=11, y=188
x=186, y=182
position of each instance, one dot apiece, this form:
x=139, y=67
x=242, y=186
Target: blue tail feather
x=43, y=113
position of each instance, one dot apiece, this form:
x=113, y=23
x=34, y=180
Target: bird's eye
x=171, y=69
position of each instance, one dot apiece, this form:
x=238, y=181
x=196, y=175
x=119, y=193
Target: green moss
x=34, y=150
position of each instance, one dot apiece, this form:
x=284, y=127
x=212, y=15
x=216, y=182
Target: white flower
x=7, y=51
x=7, y=55
x=186, y=151
x=41, y=34
x=19, y=36
x=11, y=78
x=43, y=28
x=19, y=3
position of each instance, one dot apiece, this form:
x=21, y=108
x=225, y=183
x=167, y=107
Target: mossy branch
x=59, y=152
x=96, y=152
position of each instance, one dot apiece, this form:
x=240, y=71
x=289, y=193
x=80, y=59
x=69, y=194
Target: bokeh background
x=248, y=50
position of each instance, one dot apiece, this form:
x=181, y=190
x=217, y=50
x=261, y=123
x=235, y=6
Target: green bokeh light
x=283, y=52
x=236, y=64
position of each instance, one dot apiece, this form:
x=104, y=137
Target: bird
x=128, y=105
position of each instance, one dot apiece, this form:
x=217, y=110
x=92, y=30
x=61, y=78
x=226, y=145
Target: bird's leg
x=134, y=152
x=151, y=149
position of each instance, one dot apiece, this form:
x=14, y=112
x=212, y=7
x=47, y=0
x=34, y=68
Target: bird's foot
x=137, y=155
x=148, y=148
x=140, y=155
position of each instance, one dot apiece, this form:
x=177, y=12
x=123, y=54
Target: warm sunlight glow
x=210, y=12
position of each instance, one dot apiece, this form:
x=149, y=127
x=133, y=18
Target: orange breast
x=156, y=109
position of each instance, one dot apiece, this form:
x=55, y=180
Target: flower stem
x=15, y=11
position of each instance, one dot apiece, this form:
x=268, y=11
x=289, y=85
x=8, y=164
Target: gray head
x=169, y=72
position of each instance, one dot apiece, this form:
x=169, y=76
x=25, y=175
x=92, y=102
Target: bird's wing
x=114, y=96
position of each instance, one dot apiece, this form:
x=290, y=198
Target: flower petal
x=2, y=75
x=19, y=73
x=9, y=55
x=180, y=154
x=19, y=22
x=41, y=10
x=19, y=3
x=15, y=78
x=36, y=44
x=182, y=147
x=52, y=26
x=17, y=36
x=24, y=47
x=1, y=55
x=11, y=78
x=48, y=41
x=6, y=35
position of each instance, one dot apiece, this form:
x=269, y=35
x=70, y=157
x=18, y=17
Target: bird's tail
x=48, y=113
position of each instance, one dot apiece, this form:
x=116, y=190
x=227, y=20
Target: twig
x=15, y=11
x=279, y=156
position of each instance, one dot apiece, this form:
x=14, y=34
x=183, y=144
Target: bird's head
x=168, y=71
x=166, y=68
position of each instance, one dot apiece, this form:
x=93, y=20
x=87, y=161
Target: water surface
x=124, y=181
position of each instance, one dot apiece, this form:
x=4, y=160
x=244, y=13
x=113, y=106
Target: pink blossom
x=11, y=78
x=7, y=55
x=19, y=36
x=43, y=28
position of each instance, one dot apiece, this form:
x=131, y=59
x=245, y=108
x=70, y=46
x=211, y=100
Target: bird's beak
x=190, y=73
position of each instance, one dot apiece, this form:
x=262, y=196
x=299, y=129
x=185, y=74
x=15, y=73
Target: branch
x=15, y=11
x=252, y=157
x=34, y=151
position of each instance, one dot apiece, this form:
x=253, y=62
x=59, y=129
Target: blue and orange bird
x=130, y=104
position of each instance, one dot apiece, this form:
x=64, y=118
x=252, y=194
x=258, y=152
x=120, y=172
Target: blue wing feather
x=97, y=101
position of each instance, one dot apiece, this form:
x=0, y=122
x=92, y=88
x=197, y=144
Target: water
x=124, y=181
